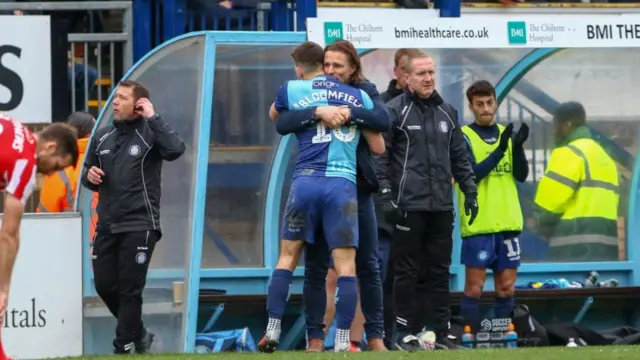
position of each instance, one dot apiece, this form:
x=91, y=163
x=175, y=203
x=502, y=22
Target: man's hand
x=144, y=107
x=94, y=175
x=471, y=208
x=346, y=112
x=392, y=212
x=331, y=116
x=522, y=135
x=505, y=136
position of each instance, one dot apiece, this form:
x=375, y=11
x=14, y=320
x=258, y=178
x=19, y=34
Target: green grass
x=549, y=353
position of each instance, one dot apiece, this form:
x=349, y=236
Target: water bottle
x=467, y=338
x=591, y=280
x=572, y=343
x=511, y=337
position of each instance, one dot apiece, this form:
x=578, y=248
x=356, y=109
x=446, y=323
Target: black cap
x=571, y=111
x=83, y=122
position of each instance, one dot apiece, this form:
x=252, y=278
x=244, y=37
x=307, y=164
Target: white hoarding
x=478, y=32
x=44, y=316
x=25, y=68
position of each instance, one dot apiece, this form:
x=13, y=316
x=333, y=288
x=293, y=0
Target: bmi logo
x=333, y=31
x=517, y=32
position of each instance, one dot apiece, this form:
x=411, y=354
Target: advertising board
x=44, y=316
x=479, y=32
x=25, y=68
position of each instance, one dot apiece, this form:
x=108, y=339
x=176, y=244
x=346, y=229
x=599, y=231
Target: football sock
x=346, y=304
x=470, y=309
x=278, y=294
x=504, y=306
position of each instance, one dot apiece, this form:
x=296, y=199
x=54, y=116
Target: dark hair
x=83, y=122
x=400, y=53
x=139, y=91
x=572, y=112
x=308, y=55
x=65, y=137
x=347, y=48
x=480, y=88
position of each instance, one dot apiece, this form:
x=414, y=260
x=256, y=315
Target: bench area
x=546, y=305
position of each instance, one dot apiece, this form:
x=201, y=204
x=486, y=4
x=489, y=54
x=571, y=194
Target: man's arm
x=9, y=238
x=483, y=168
x=376, y=119
x=290, y=122
x=90, y=160
x=520, y=164
x=166, y=142
x=460, y=163
x=375, y=141
x=382, y=161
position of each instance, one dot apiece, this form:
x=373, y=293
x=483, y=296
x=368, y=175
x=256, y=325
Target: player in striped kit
x=23, y=155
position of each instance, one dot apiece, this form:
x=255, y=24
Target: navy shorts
x=492, y=251
x=319, y=203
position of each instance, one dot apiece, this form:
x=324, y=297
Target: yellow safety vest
x=580, y=186
x=498, y=198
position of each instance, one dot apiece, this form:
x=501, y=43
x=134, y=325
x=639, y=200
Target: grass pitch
x=548, y=353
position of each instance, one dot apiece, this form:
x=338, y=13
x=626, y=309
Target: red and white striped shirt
x=18, y=159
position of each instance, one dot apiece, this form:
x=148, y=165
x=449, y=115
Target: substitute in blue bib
x=323, y=194
x=491, y=241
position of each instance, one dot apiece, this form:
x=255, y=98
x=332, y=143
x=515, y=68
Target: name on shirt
x=323, y=95
x=18, y=138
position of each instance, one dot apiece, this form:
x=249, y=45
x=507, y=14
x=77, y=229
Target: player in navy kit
x=323, y=194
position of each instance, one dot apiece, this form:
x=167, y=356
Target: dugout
x=222, y=201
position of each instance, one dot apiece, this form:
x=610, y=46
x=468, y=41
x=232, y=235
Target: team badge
x=141, y=258
x=483, y=255
x=442, y=125
x=134, y=150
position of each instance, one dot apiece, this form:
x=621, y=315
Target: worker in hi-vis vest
x=491, y=241
x=576, y=202
x=58, y=189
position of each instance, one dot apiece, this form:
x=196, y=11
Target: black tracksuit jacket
x=130, y=153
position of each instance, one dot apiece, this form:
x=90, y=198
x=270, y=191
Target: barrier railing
x=96, y=60
x=157, y=21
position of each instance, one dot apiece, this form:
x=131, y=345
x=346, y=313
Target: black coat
x=131, y=154
x=425, y=149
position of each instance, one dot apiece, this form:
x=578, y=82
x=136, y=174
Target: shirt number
x=324, y=134
x=513, y=247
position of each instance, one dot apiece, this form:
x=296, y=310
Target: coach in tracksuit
x=425, y=149
x=124, y=165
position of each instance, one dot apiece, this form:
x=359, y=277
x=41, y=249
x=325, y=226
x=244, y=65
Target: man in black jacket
x=396, y=86
x=123, y=164
x=425, y=151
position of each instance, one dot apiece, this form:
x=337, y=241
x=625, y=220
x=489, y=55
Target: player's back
x=18, y=162
x=322, y=151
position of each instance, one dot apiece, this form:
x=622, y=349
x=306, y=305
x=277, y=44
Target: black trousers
x=120, y=265
x=422, y=245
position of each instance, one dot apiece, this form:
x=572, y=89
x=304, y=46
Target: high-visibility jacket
x=578, y=195
x=498, y=198
x=58, y=189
